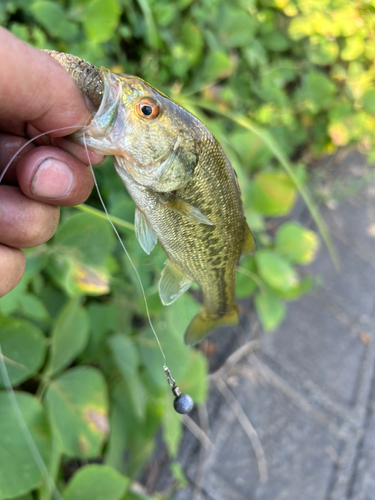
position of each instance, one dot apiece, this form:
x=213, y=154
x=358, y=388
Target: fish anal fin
x=172, y=284
x=146, y=235
x=184, y=208
x=250, y=246
x=202, y=324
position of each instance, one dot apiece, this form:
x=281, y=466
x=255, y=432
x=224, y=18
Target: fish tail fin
x=202, y=324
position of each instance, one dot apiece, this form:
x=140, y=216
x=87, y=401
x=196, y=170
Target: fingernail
x=53, y=179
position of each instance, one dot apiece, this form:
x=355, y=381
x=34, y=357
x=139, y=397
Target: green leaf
x=276, y=271
x=317, y=92
x=75, y=278
x=117, y=440
x=270, y=309
x=32, y=307
x=245, y=284
x=86, y=237
x=368, y=101
x=10, y=303
x=354, y=47
x=296, y=243
x=101, y=19
x=322, y=51
x=18, y=470
x=20, y=31
x=36, y=259
x=276, y=41
x=78, y=406
x=272, y=193
x=24, y=348
x=165, y=13
x=139, y=433
x=237, y=29
x=53, y=19
x=69, y=336
x=252, y=150
x=96, y=482
x=192, y=39
x=300, y=27
x=217, y=65
x=103, y=320
x=127, y=360
x=303, y=287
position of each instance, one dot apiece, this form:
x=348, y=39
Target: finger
x=34, y=88
x=53, y=176
x=67, y=145
x=12, y=266
x=12, y=148
x=78, y=151
x=23, y=222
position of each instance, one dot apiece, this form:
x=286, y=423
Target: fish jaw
x=108, y=123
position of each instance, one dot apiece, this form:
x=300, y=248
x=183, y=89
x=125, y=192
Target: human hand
x=37, y=95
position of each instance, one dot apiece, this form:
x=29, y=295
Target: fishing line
x=32, y=140
x=126, y=253
x=183, y=402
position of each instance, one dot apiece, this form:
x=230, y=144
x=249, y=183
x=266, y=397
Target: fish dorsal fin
x=249, y=246
x=172, y=284
x=184, y=208
x=146, y=235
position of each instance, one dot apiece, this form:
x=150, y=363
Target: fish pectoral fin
x=249, y=246
x=182, y=207
x=202, y=324
x=172, y=284
x=146, y=235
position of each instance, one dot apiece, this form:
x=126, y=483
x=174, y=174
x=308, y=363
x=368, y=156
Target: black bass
x=185, y=190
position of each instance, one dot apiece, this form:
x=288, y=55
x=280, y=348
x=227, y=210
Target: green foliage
x=24, y=348
x=95, y=482
x=273, y=80
x=19, y=472
x=69, y=336
x=296, y=243
x=77, y=404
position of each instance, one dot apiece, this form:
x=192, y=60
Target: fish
x=184, y=187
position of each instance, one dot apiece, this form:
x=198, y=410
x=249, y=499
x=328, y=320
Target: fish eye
x=147, y=108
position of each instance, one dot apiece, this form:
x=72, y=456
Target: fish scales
x=183, y=185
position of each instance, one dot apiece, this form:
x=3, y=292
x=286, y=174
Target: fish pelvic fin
x=146, y=235
x=202, y=324
x=172, y=284
x=250, y=246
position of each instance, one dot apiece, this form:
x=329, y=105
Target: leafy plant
x=275, y=81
